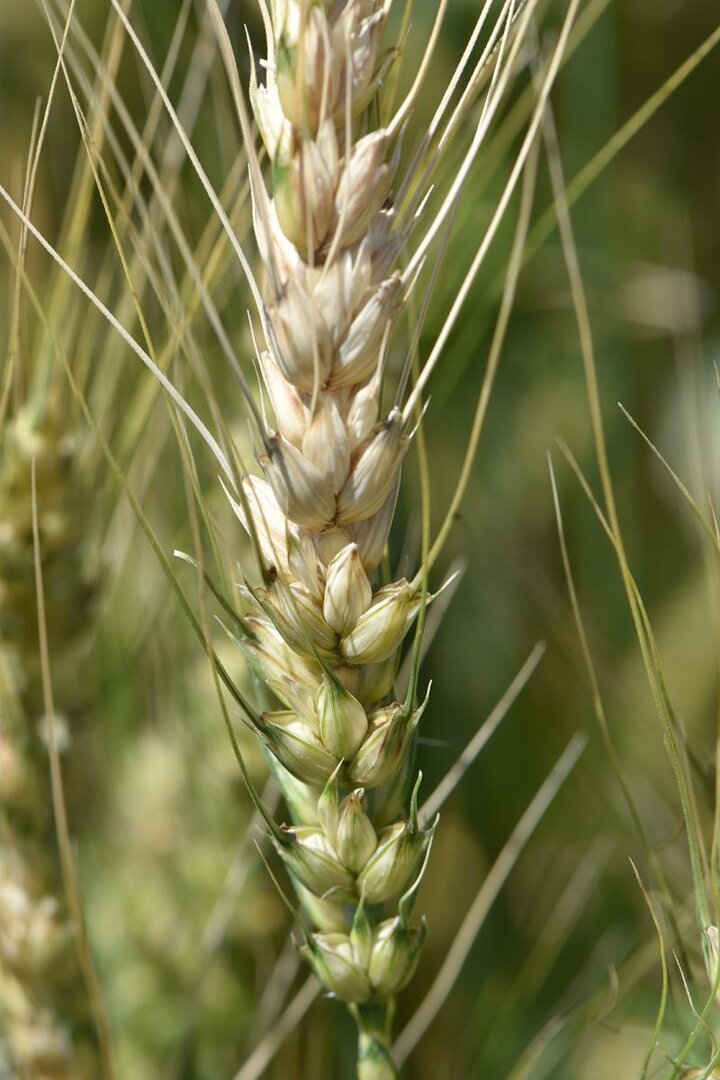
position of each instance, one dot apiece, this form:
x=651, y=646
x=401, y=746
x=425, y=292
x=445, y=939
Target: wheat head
x=326, y=631
x=43, y=996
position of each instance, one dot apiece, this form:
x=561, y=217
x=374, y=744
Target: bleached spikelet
x=348, y=593
x=381, y=628
x=356, y=838
x=342, y=719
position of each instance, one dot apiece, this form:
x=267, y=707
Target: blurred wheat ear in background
x=293, y=311
x=50, y=999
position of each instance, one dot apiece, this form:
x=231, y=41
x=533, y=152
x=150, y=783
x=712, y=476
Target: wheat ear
x=43, y=994
x=326, y=634
x=50, y=1004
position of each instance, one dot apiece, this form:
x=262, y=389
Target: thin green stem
x=374, y=1023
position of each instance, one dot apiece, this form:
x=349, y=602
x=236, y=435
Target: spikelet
x=42, y=996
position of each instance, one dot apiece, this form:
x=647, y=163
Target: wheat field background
x=564, y=978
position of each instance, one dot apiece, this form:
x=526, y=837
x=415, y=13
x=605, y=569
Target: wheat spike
x=42, y=992
x=327, y=632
